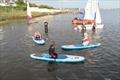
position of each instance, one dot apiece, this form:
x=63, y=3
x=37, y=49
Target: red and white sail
x=92, y=11
x=29, y=15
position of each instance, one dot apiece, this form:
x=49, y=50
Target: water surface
x=102, y=63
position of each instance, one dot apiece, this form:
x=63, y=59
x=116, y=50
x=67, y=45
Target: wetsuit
x=52, y=52
x=46, y=27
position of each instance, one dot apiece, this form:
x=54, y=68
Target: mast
x=98, y=16
x=88, y=11
x=91, y=11
x=29, y=15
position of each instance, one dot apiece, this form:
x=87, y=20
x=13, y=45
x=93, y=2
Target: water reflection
x=96, y=35
x=29, y=26
x=52, y=70
x=51, y=66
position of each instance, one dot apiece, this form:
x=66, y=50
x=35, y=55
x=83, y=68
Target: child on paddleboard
x=86, y=39
x=52, y=50
x=37, y=35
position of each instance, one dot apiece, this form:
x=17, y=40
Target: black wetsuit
x=46, y=27
x=93, y=29
x=52, y=52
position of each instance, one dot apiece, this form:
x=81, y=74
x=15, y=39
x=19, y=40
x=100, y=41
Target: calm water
x=102, y=63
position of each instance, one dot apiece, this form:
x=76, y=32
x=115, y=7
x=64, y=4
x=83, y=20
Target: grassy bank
x=7, y=17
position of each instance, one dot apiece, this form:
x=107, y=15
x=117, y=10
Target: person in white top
x=86, y=39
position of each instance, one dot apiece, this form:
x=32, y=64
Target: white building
x=3, y=4
x=7, y=3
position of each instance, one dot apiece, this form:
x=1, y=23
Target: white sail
x=29, y=15
x=92, y=11
x=88, y=11
x=98, y=16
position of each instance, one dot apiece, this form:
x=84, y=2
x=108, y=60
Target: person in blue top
x=51, y=50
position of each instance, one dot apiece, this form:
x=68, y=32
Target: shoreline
x=10, y=16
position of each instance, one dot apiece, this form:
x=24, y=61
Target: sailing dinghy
x=91, y=15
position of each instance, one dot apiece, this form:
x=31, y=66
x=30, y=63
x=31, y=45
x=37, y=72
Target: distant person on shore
x=51, y=50
x=86, y=39
x=37, y=35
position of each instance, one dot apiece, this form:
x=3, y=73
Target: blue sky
x=106, y=4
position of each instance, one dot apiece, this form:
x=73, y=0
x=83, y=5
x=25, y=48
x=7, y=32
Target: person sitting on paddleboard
x=52, y=51
x=86, y=39
x=37, y=35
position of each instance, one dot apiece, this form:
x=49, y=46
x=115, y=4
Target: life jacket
x=53, y=55
x=86, y=38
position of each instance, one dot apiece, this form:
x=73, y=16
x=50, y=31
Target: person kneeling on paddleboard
x=86, y=39
x=52, y=51
x=37, y=35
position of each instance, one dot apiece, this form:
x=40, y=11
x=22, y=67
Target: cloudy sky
x=77, y=3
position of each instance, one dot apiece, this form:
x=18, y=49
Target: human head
x=53, y=43
x=85, y=34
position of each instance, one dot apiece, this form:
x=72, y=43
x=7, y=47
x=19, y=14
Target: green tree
x=20, y=2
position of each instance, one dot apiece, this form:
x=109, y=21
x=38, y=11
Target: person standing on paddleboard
x=51, y=50
x=46, y=29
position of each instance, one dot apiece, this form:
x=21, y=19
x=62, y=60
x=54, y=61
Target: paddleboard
x=41, y=41
x=79, y=46
x=60, y=58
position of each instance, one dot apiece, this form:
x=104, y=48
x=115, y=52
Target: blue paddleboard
x=41, y=41
x=79, y=46
x=60, y=58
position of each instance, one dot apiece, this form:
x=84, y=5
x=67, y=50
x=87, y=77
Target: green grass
x=6, y=17
x=10, y=14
